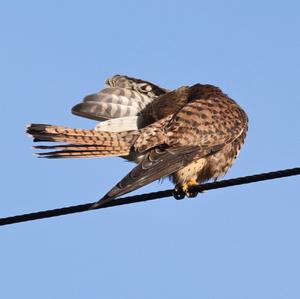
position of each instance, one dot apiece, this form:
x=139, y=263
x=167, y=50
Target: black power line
x=151, y=196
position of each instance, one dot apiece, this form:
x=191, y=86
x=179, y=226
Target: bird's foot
x=186, y=189
x=178, y=193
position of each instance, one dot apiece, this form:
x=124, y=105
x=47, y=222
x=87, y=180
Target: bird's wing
x=123, y=97
x=157, y=163
x=159, y=108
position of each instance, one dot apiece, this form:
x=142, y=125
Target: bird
x=191, y=134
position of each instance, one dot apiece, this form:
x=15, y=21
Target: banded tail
x=81, y=143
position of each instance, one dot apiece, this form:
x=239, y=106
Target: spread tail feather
x=81, y=143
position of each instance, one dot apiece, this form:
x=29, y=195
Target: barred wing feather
x=124, y=97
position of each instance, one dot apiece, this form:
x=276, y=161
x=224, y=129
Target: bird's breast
x=190, y=171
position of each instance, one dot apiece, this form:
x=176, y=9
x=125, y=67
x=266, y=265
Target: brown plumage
x=192, y=134
x=81, y=142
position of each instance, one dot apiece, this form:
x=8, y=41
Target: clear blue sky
x=240, y=242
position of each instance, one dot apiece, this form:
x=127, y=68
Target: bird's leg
x=185, y=189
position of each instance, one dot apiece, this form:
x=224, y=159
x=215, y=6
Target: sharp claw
x=186, y=189
x=190, y=194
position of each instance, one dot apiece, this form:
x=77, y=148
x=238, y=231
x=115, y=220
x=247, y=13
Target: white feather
x=130, y=123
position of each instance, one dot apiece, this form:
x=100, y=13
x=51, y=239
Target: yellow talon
x=187, y=185
x=184, y=190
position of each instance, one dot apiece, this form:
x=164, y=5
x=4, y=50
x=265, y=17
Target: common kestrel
x=191, y=134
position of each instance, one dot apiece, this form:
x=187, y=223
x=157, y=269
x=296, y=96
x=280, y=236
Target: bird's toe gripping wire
x=186, y=189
